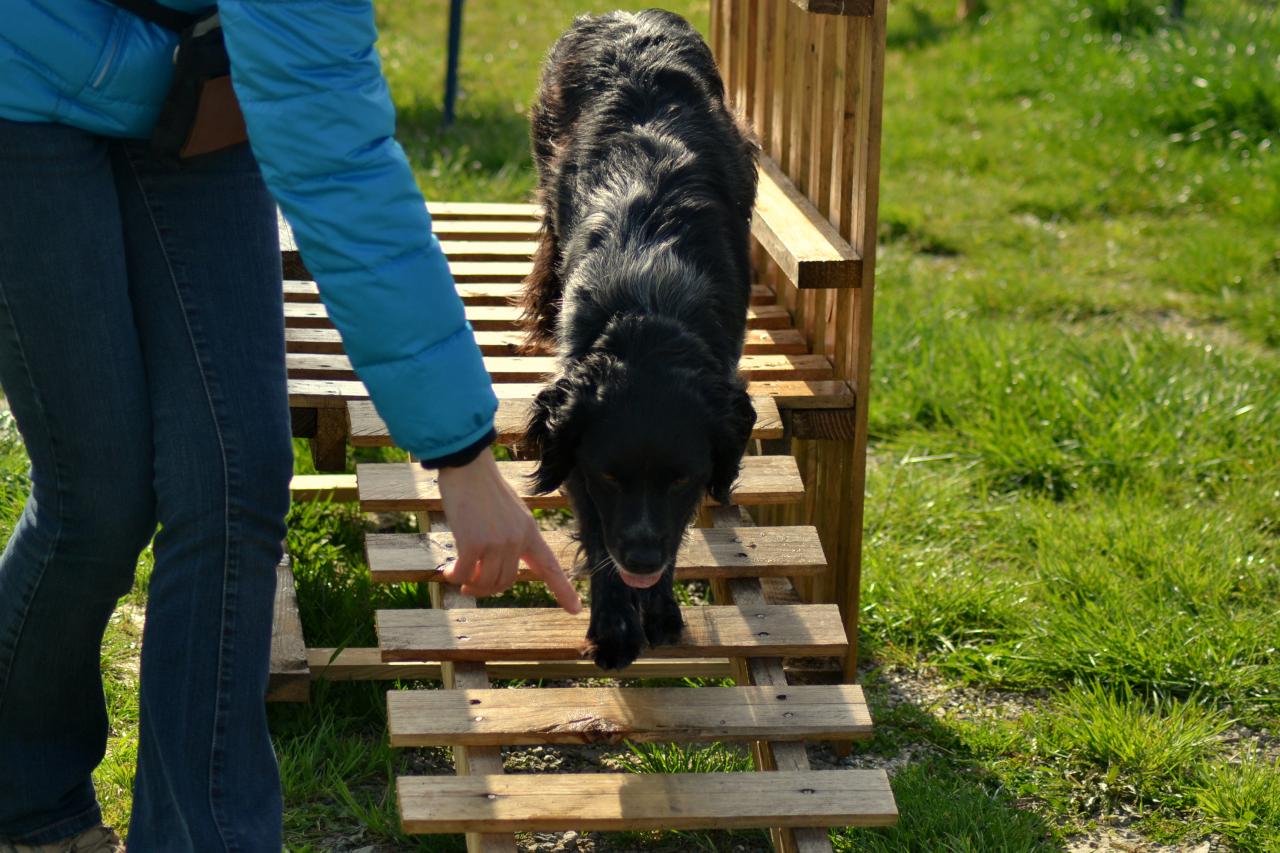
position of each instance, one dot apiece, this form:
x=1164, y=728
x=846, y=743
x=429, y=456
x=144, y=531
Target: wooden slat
x=812, y=394
x=800, y=240
x=574, y=715
x=447, y=215
x=479, y=292
x=629, y=801
x=369, y=430
x=544, y=633
x=290, y=675
x=339, y=488
x=482, y=210
x=758, y=342
x=745, y=552
x=366, y=664
x=539, y=368
x=324, y=393
x=396, y=486
x=302, y=315
x=485, y=229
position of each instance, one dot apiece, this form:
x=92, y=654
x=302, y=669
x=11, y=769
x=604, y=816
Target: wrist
x=465, y=456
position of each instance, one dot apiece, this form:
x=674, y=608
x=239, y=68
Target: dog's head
x=647, y=437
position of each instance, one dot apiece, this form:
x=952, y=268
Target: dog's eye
x=609, y=478
x=679, y=482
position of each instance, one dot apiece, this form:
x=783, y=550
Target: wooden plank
x=479, y=292
x=808, y=248
x=302, y=315
x=539, y=368
x=546, y=633
x=810, y=394
x=406, y=486
x=290, y=674
x=745, y=552
x=324, y=393
x=758, y=342
x=447, y=215
x=486, y=229
x=369, y=430
x=366, y=664
x=483, y=210
x=630, y=801
x=339, y=488
x=576, y=715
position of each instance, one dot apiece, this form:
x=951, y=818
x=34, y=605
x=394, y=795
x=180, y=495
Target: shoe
x=95, y=839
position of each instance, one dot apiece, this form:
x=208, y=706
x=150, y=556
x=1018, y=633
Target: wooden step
x=788, y=394
x=539, y=368
x=705, y=553
x=369, y=430
x=545, y=633
x=408, y=487
x=758, y=342
x=480, y=292
x=306, y=315
x=575, y=715
x=339, y=488
x=632, y=801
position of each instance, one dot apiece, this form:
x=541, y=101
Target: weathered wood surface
x=290, y=674
x=369, y=430
x=801, y=240
x=338, y=488
x=721, y=553
x=541, y=368
x=478, y=292
x=787, y=394
x=544, y=633
x=629, y=801
x=366, y=664
x=484, y=318
x=758, y=342
x=395, y=486
x=576, y=715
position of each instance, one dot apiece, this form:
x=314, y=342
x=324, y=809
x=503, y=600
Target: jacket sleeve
x=320, y=121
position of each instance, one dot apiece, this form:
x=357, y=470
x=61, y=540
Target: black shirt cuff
x=464, y=456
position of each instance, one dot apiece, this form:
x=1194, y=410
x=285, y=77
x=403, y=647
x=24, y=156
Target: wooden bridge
x=783, y=560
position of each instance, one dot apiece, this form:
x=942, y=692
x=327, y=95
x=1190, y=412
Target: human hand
x=493, y=532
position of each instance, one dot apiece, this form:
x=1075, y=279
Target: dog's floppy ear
x=729, y=438
x=555, y=426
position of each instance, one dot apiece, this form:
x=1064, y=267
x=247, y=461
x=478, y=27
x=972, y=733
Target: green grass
x=1074, y=484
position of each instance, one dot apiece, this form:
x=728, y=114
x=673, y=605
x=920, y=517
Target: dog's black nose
x=642, y=559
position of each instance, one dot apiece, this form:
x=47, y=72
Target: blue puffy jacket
x=320, y=121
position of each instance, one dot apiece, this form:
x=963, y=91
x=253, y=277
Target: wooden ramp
x=745, y=635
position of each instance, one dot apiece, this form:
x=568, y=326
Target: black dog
x=641, y=280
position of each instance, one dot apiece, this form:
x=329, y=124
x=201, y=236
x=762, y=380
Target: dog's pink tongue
x=639, y=581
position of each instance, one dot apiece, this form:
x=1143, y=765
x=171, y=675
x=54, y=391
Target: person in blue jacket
x=142, y=354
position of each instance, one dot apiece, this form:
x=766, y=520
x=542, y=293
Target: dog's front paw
x=617, y=638
x=662, y=621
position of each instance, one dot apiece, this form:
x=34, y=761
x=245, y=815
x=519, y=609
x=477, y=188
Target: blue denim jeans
x=142, y=354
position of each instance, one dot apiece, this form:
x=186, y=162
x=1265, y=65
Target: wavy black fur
x=641, y=281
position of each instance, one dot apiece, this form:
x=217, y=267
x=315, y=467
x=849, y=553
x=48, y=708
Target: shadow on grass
x=920, y=30
x=947, y=801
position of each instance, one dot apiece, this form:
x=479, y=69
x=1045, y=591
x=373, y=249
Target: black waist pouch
x=200, y=114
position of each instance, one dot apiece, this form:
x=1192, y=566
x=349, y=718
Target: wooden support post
x=290, y=675
x=768, y=672
x=475, y=760
x=329, y=443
